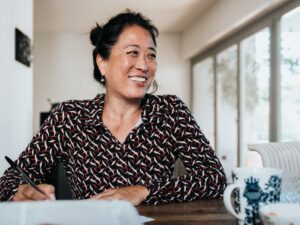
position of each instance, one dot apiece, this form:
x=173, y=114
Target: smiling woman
x=122, y=144
x=130, y=69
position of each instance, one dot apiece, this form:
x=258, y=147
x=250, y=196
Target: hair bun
x=95, y=34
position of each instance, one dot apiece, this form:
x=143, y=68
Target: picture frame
x=22, y=48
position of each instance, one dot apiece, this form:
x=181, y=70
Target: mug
x=252, y=187
x=290, y=189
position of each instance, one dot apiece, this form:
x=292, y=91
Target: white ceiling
x=81, y=15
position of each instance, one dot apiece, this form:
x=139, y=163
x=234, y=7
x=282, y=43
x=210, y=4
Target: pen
x=25, y=177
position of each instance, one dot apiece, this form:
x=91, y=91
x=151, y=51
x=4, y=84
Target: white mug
x=252, y=187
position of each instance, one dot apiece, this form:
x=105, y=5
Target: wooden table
x=200, y=212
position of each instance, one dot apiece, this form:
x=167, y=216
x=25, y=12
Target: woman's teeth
x=139, y=79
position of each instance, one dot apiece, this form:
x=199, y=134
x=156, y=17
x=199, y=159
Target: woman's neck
x=121, y=108
x=120, y=116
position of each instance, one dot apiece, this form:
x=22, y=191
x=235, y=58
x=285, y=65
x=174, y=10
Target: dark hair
x=104, y=37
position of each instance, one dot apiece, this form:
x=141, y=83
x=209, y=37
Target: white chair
x=283, y=155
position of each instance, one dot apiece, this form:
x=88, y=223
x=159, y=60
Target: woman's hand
x=28, y=193
x=135, y=194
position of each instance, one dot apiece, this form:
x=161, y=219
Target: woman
x=123, y=144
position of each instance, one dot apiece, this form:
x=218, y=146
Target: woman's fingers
x=28, y=193
x=49, y=190
x=135, y=194
x=106, y=197
x=103, y=194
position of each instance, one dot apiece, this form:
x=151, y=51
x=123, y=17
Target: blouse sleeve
x=205, y=176
x=38, y=158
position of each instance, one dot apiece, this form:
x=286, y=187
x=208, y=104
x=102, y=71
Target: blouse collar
x=152, y=111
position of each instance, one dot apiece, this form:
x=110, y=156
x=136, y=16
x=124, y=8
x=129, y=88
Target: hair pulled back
x=104, y=37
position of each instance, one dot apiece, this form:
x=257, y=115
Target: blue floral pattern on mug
x=236, y=196
x=256, y=195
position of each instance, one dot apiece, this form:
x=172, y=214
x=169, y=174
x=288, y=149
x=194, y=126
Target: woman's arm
x=38, y=158
x=205, y=176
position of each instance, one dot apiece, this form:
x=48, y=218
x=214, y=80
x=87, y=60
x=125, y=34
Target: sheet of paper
x=70, y=212
x=145, y=219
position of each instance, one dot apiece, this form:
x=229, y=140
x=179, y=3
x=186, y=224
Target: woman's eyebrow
x=127, y=46
x=153, y=49
x=137, y=46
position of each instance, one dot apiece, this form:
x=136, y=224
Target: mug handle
x=227, y=199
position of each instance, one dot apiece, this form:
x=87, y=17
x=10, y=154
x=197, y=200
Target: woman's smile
x=138, y=79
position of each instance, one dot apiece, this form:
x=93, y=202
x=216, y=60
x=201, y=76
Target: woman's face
x=130, y=69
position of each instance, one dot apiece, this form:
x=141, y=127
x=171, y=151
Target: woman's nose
x=142, y=64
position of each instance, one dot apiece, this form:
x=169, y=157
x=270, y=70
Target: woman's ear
x=101, y=63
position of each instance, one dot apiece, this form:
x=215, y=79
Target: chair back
x=283, y=155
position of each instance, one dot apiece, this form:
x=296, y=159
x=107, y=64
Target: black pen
x=25, y=177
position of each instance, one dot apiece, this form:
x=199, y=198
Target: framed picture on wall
x=23, y=48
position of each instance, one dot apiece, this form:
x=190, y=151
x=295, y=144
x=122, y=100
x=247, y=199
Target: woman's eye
x=152, y=56
x=133, y=53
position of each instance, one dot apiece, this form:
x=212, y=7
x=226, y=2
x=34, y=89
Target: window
x=255, y=71
x=227, y=108
x=203, y=98
x=290, y=76
x=245, y=112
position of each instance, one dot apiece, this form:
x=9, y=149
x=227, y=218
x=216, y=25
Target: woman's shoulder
x=165, y=106
x=164, y=100
x=80, y=105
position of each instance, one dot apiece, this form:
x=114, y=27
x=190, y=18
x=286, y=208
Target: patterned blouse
x=94, y=160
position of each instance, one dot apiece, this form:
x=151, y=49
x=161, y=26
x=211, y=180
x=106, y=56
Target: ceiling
x=80, y=16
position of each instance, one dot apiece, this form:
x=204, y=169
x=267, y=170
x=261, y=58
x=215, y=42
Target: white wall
x=222, y=18
x=173, y=73
x=64, y=70
x=15, y=81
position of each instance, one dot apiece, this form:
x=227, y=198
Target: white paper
x=145, y=219
x=70, y=212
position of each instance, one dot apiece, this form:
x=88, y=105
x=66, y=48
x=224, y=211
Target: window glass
x=227, y=108
x=203, y=97
x=290, y=76
x=255, y=71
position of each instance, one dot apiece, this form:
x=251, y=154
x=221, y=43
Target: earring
x=102, y=79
